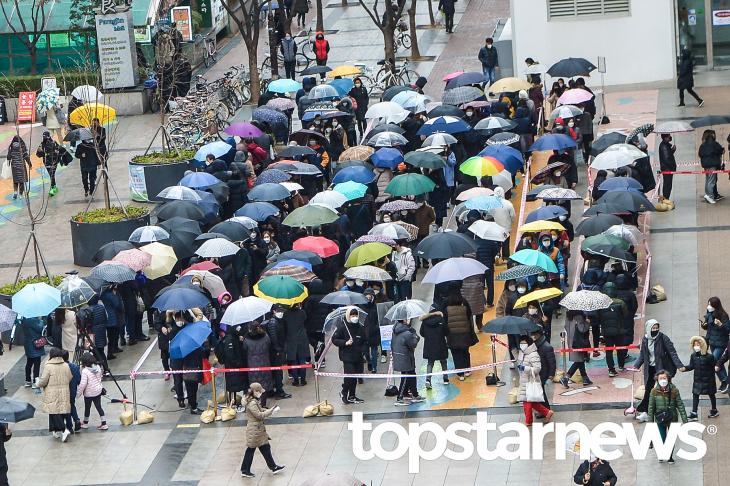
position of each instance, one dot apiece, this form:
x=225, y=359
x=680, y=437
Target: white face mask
x=663, y=383
x=541, y=278
x=532, y=311
x=697, y=349
x=386, y=219
x=562, y=217
x=571, y=124
x=521, y=290
x=350, y=283
x=279, y=315
x=546, y=242
x=335, y=124
x=558, y=173
x=526, y=241
x=469, y=113
x=354, y=319
x=179, y=323
x=554, y=237
x=404, y=213
x=357, y=85
x=359, y=282
x=710, y=308
x=267, y=240
x=524, y=346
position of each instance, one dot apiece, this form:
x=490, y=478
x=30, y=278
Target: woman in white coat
x=528, y=363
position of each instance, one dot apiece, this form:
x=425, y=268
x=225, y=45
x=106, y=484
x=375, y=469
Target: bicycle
x=403, y=38
x=210, y=48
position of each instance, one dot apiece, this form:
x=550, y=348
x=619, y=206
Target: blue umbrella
x=342, y=85
x=510, y=157
x=178, y=299
x=387, y=158
x=36, y=300
x=189, y=338
x=553, y=141
x=546, y=212
x=272, y=176
x=294, y=263
x=445, y=124
x=198, y=180
x=284, y=85
x=268, y=191
x=354, y=173
x=466, y=79
x=325, y=114
x=258, y=211
x=218, y=148
x=621, y=184
x=278, y=121
x=484, y=203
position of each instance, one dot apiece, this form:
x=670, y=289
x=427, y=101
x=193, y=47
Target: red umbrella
x=206, y=265
x=317, y=244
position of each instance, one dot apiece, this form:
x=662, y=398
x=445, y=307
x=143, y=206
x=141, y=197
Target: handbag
x=40, y=342
x=140, y=305
x=666, y=416
x=5, y=171
x=533, y=390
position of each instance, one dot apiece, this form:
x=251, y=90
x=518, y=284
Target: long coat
x=19, y=161
x=233, y=358
x=665, y=356
x=32, y=330
x=297, y=344
x=257, y=348
x=300, y=7
x=434, y=332
x=403, y=347
x=571, y=326
x=530, y=359
x=703, y=365
x=55, y=381
x=256, y=435
x=685, y=78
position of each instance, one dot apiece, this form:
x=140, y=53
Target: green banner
x=207, y=12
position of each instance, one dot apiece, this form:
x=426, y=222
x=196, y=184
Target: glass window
x=721, y=32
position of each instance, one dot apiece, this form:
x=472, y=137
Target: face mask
x=546, y=242
x=710, y=308
x=386, y=219
x=541, y=278
x=654, y=333
x=267, y=240
x=523, y=346
x=278, y=315
x=318, y=123
x=354, y=319
x=376, y=290
x=571, y=124
x=469, y=113
x=357, y=85
x=697, y=349
x=526, y=241
x=512, y=288
x=562, y=217
x=404, y=213
x=179, y=323
x=558, y=173
x=554, y=237
x=663, y=383
x=370, y=298
x=521, y=290
x=328, y=131
x=288, y=37
x=359, y=282
x=350, y=283
x=532, y=311
x=335, y=124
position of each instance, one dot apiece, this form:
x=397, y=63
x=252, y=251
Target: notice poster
x=26, y=106
x=386, y=336
x=117, y=53
x=137, y=184
x=721, y=17
x=183, y=19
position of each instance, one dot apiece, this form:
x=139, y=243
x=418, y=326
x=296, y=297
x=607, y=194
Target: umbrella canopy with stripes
x=520, y=271
x=113, y=272
x=296, y=272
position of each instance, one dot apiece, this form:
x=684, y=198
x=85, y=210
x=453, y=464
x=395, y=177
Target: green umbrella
x=601, y=240
x=310, y=215
x=367, y=253
x=428, y=160
x=280, y=289
x=351, y=189
x=410, y=185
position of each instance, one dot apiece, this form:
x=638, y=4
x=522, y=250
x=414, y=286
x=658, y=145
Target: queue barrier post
x=215, y=394
x=316, y=384
x=494, y=360
x=564, y=345
x=134, y=397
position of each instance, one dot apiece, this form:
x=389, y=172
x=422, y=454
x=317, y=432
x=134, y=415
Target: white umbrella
x=566, y=111
x=292, y=186
x=246, y=309
x=411, y=101
x=369, y=273
x=148, y=234
x=558, y=193
x=87, y=93
x=180, y=193
x=474, y=192
x=210, y=281
x=388, y=111
x=489, y=230
x=216, y=248
x=453, y=269
x=332, y=199
x=503, y=180
x=406, y=310
x=391, y=230
x=627, y=232
x=387, y=139
x=439, y=140
x=247, y=222
x=586, y=300
x=494, y=123
x=673, y=127
x=611, y=160
x=626, y=148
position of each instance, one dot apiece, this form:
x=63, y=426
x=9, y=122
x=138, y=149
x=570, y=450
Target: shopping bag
x=206, y=375
x=533, y=390
x=5, y=170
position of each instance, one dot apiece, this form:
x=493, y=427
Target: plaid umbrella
x=519, y=271
x=7, y=318
x=294, y=271
x=398, y=205
x=113, y=272
x=358, y=152
x=462, y=94
x=217, y=248
x=586, y=300
x=134, y=259
x=272, y=176
x=558, y=194
x=541, y=176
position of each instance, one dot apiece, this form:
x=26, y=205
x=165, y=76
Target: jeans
x=711, y=185
x=407, y=385
x=373, y=359
x=722, y=374
x=248, y=457
x=289, y=69
x=444, y=367
x=35, y=364
x=490, y=74
x=696, y=402
x=528, y=407
x=97, y=404
x=88, y=179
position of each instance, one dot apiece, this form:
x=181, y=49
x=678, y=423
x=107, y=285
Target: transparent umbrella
x=406, y=310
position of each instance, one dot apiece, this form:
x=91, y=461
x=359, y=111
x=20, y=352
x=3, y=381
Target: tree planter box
x=87, y=238
x=147, y=180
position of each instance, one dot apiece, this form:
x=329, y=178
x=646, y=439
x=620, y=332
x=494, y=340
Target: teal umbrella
x=36, y=300
x=534, y=257
x=410, y=185
x=284, y=86
x=351, y=189
x=604, y=240
x=310, y=215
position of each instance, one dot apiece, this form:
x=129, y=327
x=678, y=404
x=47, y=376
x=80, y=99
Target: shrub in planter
x=93, y=229
x=6, y=298
x=149, y=174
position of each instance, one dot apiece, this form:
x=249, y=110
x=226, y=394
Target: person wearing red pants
x=528, y=364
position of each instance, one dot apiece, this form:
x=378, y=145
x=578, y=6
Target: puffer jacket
x=530, y=359
x=90, y=385
x=717, y=336
x=405, y=264
x=670, y=398
x=257, y=348
x=612, y=318
x=703, y=365
x=403, y=347
x=32, y=330
x=256, y=435
x=461, y=330
x=343, y=333
x=54, y=382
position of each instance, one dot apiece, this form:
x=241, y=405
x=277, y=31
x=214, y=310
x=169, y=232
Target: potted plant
x=92, y=229
x=152, y=172
x=8, y=290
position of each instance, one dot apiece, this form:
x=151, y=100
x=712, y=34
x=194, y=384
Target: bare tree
x=387, y=21
x=249, y=28
x=431, y=18
x=415, y=51
x=32, y=25
x=320, y=16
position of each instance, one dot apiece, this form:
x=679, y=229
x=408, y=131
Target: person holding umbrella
x=256, y=436
x=349, y=337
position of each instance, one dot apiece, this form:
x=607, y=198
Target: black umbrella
x=303, y=256
x=466, y=79
x=571, y=67
x=604, y=208
x=296, y=152
x=597, y=224
x=96, y=283
x=385, y=127
x=511, y=325
x=612, y=251
x=390, y=93
x=113, y=273
x=633, y=201
x=13, y=411
x=605, y=141
x=532, y=193
x=219, y=190
x=211, y=236
x=445, y=245
x=110, y=250
x=182, y=235
x=303, y=136
x=446, y=110
x=179, y=222
x=316, y=70
x=344, y=297
x=708, y=121
x=178, y=209
x=232, y=230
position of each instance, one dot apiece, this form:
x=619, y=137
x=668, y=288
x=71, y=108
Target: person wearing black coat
x=717, y=325
x=316, y=314
x=645, y=173
x=434, y=332
x=703, y=383
x=612, y=320
x=597, y=472
x=710, y=153
x=628, y=296
x=685, y=78
x=233, y=357
x=548, y=365
x=297, y=343
x=411, y=125
x=114, y=318
x=448, y=8
x=361, y=97
x=667, y=163
x=372, y=330
x=275, y=329
x=89, y=163
x=193, y=361
x=349, y=337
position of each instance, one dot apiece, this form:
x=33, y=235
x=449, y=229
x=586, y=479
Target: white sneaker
x=642, y=417
x=710, y=199
x=64, y=435
x=511, y=366
x=56, y=435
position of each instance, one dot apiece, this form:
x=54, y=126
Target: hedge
x=66, y=81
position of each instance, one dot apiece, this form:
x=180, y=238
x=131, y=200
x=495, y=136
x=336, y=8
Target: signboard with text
x=183, y=20
x=26, y=106
x=117, y=53
x=721, y=17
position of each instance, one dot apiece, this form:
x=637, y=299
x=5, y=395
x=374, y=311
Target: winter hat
x=559, y=121
x=523, y=94
x=239, y=157
x=648, y=325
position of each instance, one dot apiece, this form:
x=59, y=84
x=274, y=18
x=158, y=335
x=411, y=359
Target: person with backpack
x=321, y=51
x=612, y=328
x=703, y=381
x=666, y=406
x=91, y=389
x=51, y=152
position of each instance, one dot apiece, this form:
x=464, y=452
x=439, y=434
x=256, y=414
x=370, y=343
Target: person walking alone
x=685, y=78
x=710, y=153
x=256, y=436
x=20, y=165
x=321, y=50
x=300, y=9
x=490, y=60
x=529, y=366
x=89, y=163
x=448, y=8
x=289, y=53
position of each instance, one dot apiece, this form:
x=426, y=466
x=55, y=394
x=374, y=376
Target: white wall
x=638, y=49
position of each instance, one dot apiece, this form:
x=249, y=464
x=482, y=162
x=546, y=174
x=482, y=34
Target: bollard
x=564, y=344
x=215, y=395
x=316, y=385
x=494, y=360
x=134, y=399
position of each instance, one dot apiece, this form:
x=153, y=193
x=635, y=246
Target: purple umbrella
x=244, y=130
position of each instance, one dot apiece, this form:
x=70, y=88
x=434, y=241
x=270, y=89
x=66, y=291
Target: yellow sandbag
x=639, y=392
x=223, y=397
x=228, y=413
x=662, y=207
x=126, y=417
x=145, y=417
x=208, y=416
x=659, y=293
x=670, y=203
x=310, y=411
x=558, y=375
x=326, y=408
x=513, y=396
x=576, y=378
